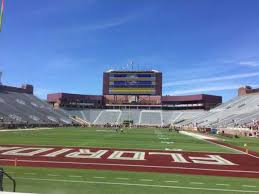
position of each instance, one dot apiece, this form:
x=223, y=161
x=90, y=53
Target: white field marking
x=98, y=177
x=198, y=136
x=169, y=149
x=106, y=131
x=167, y=142
x=121, y=178
x=134, y=165
x=232, y=149
x=148, y=180
x=139, y=185
x=52, y=175
x=29, y=129
x=196, y=183
x=75, y=176
x=252, y=186
x=183, y=132
x=236, y=150
x=29, y=173
x=137, y=149
x=172, y=181
x=163, y=138
x=221, y=184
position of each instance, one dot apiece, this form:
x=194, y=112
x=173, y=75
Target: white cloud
x=220, y=78
x=208, y=89
x=249, y=63
x=107, y=24
x=103, y=25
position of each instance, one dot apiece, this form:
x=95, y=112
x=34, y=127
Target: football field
x=95, y=160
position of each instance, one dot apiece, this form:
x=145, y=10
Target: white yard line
x=163, y=138
x=121, y=178
x=219, y=184
x=29, y=129
x=134, y=165
x=137, y=149
x=99, y=177
x=198, y=136
x=141, y=185
x=52, y=175
x=232, y=149
x=172, y=181
x=251, y=186
x=174, y=149
x=204, y=138
x=167, y=142
x=148, y=180
x=75, y=176
x=196, y=183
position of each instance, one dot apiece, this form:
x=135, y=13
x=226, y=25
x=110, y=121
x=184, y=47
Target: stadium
x=189, y=124
x=130, y=138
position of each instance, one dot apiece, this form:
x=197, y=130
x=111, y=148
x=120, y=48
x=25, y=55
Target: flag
x=1, y=15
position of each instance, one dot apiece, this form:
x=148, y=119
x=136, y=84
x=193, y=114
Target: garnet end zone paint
x=220, y=164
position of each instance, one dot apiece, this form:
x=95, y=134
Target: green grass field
x=94, y=137
x=54, y=180
x=251, y=142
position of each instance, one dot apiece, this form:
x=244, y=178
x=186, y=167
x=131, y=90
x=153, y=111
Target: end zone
x=219, y=164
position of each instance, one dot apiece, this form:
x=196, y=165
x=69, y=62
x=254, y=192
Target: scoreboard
x=132, y=83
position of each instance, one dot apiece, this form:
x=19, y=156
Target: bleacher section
x=241, y=111
x=152, y=118
x=139, y=117
x=21, y=108
x=130, y=115
x=108, y=116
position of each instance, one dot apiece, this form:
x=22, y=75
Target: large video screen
x=132, y=83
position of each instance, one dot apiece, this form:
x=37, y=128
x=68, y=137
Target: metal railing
x=2, y=174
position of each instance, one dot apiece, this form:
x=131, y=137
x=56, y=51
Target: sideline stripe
x=52, y=175
x=172, y=181
x=141, y=185
x=98, y=177
x=120, y=178
x=223, y=184
x=113, y=148
x=75, y=176
x=224, y=146
x=249, y=186
x=134, y=165
x=146, y=180
x=196, y=183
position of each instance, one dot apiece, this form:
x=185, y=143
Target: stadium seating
x=107, y=116
x=130, y=115
x=17, y=108
x=152, y=118
x=139, y=117
x=238, y=112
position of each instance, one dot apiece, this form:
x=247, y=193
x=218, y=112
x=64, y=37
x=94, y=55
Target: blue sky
x=201, y=46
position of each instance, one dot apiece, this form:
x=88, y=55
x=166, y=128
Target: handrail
x=8, y=176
